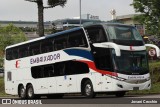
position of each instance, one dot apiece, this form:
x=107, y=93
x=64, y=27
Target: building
x=64, y=24
x=67, y=23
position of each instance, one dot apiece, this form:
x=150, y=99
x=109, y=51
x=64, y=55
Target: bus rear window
x=8, y=54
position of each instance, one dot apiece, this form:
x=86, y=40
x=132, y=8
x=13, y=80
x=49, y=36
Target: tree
x=150, y=16
x=9, y=35
x=41, y=7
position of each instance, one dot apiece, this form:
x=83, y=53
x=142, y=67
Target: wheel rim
x=30, y=92
x=88, y=89
x=22, y=92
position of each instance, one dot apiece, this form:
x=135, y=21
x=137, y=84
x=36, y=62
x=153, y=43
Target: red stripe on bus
x=92, y=66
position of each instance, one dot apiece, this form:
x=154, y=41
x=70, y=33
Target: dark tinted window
x=23, y=51
x=48, y=71
x=59, y=69
x=46, y=46
x=15, y=53
x=103, y=59
x=9, y=54
x=96, y=34
x=75, y=67
x=60, y=42
x=34, y=49
x=70, y=68
x=77, y=39
x=42, y=71
x=36, y=72
x=73, y=39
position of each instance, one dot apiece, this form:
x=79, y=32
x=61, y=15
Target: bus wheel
x=22, y=92
x=30, y=92
x=120, y=94
x=88, y=89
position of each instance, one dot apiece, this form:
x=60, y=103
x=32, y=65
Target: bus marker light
x=17, y=64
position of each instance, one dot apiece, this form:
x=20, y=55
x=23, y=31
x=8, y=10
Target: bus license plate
x=135, y=88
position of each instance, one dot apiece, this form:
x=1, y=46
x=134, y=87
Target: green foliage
x=150, y=10
x=2, y=93
x=9, y=35
x=155, y=71
x=54, y=3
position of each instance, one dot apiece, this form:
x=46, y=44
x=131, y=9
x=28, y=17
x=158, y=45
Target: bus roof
x=63, y=32
x=44, y=37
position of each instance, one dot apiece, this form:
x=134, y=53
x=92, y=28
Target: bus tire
x=22, y=92
x=120, y=94
x=30, y=92
x=88, y=89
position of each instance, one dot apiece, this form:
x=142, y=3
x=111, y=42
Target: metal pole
x=80, y=13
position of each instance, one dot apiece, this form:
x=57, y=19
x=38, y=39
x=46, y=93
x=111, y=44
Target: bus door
x=60, y=77
x=103, y=62
x=50, y=79
x=41, y=79
x=76, y=71
x=102, y=59
x=61, y=84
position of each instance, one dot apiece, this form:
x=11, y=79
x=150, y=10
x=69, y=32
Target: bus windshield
x=122, y=32
x=131, y=62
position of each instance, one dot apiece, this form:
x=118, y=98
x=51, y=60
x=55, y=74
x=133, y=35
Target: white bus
x=100, y=58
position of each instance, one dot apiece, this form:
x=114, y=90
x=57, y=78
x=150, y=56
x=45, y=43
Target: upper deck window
x=96, y=34
x=34, y=49
x=9, y=54
x=77, y=39
x=121, y=32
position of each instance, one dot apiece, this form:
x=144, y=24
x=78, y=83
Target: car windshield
x=123, y=32
x=131, y=62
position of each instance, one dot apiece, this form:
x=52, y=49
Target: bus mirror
x=109, y=45
x=155, y=47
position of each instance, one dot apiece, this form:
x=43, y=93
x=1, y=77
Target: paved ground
x=68, y=101
x=107, y=99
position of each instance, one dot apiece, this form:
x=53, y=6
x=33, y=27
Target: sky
x=15, y=10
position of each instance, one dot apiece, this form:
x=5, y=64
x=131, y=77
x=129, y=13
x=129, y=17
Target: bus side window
x=60, y=43
x=23, y=51
x=46, y=46
x=59, y=69
x=48, y=71
x=96, y=34
x=77, y=39
x=15, y=53
x=9, y=54
x=75, y=67
x=36, y=72
x=80, y=67
x=34, y=49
